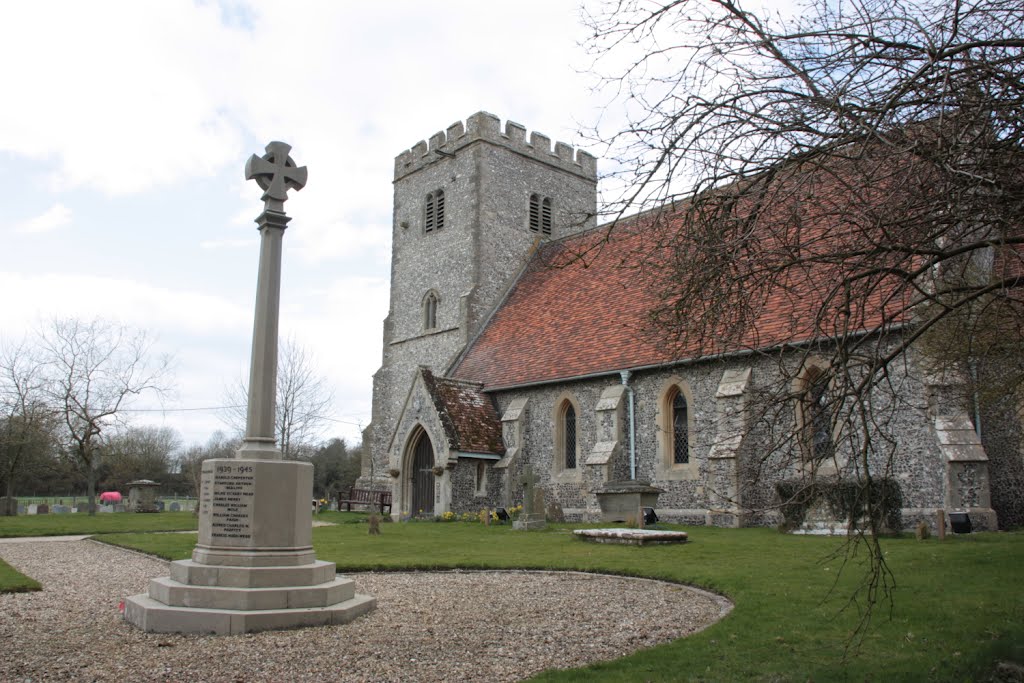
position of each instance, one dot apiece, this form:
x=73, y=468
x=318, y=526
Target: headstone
x=22, y=510
x=175, y=506
x=8, y=506
x=33, y=508
x=43, y=509
x=106, y=508
x=61, y=509
x=159, y=506
x=84, y=508
x=555, y=513
x=118, y=507
x=532, y=516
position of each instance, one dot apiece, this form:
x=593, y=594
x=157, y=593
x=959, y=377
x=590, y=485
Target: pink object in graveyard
x=110, y=497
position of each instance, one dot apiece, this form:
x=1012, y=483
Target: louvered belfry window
x=434, y=216
x=569, y=433
x=540, y=214
x=680, y=430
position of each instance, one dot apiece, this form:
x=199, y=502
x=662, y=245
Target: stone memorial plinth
x=253, y=567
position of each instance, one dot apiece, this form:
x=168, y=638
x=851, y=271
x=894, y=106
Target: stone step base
x=152, y=616
x=196, y=574
x=172, y=593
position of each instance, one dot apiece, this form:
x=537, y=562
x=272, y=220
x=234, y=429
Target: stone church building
x=500, y=351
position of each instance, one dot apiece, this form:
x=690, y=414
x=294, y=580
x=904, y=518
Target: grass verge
x=100, y=523
x=13, y=581
x=959, y=604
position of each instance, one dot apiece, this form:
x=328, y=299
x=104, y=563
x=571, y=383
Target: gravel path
x=428, y=626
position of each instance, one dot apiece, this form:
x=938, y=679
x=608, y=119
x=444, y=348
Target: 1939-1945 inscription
x=227, y=499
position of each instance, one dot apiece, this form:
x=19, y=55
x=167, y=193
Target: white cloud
x=142, y=305
x=229, y=244
x=56, y=216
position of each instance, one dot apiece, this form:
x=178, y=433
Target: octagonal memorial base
x=253, y=567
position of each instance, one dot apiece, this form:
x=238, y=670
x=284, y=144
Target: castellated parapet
x=487, y=127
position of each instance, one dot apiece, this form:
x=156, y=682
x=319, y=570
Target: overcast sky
x=125, y=129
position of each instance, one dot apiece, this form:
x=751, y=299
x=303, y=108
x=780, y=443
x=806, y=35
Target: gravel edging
x=428, y=626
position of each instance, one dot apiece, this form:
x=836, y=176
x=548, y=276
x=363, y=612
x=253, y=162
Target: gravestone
x=8, y=506
x=175, y=506
x=532, y=516
x=22, y=510
x=555, y=513
x=118, y=507
x=84, y=508
x=43, y=509
x=61, y=509
x=159, y=505
x=33, y=508
x=106, y=508
x=253, y=567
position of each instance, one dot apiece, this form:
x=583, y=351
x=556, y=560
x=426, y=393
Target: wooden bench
x=367, y=497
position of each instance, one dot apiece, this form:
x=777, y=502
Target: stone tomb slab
x=632, y=536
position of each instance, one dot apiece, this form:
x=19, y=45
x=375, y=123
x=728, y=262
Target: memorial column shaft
x=259, y=440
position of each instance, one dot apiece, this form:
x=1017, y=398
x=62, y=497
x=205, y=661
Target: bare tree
x=304, y=402
x=94, y=371
x=26, y=422
x=857, y=165
x=190, y=462
x=144, y=452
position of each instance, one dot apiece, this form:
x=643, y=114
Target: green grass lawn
x=13, y=581
x=100, y=523
x=959, y=604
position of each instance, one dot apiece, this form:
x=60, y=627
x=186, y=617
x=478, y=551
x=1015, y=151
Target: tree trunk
x=90, y=478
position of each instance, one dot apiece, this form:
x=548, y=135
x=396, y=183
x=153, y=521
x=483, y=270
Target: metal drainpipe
x=973, y=364
x=632, y=442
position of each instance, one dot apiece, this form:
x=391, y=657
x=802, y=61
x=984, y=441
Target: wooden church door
x=423, y=477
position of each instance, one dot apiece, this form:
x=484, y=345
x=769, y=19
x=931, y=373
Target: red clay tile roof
x=568, y=317
x=469, y=417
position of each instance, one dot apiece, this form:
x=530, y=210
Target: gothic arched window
x=680, y=429
x=817, y=417
x=433, y=218
x=569, y=436
x=430, y=311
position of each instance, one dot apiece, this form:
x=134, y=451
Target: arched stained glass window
x=680, y=430
x=569, y=435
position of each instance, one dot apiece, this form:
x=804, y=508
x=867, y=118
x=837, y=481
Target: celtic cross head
x=275, y=173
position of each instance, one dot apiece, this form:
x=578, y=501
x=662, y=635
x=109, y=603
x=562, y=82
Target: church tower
x=470, y=207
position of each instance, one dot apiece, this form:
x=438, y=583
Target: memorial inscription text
x=227, y=499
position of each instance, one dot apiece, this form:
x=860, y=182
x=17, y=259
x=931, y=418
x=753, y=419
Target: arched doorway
x=421, y=481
